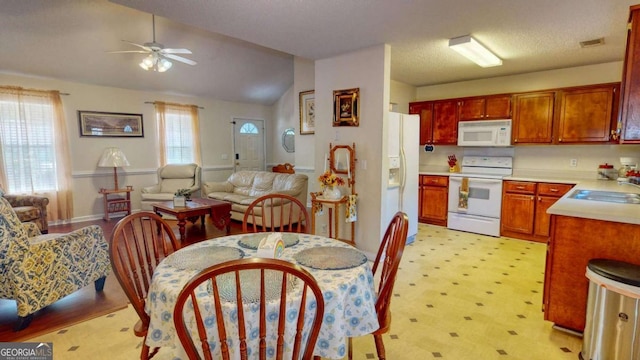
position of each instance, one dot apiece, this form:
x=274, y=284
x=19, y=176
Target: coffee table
x=218, y=211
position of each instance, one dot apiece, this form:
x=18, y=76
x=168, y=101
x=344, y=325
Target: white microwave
x=484, y=133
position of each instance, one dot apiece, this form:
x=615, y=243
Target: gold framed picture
x=307, y=113
x=346, y=104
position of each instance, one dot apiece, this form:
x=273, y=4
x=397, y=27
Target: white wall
x=401, y=95
x=284, y=117
x=215, y=130
x=304, y=80
x=364, y=69
x=541, y=80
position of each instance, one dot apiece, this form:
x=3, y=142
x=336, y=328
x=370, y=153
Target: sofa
x=171, y=178
x=29, y=208
x=243, y=187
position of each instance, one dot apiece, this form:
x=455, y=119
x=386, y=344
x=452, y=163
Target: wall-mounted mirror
x=288, y=140
x=342, y=159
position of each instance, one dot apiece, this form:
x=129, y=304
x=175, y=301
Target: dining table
x=342, y=272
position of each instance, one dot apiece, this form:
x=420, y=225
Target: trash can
x=612, y=330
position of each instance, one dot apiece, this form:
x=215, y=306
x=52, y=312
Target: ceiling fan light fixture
x=470, y=48
x=147, y=63
x=163, y=65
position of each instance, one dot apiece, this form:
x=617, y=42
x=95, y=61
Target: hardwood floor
x=86, y=303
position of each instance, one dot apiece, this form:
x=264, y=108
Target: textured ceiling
x=244, y=48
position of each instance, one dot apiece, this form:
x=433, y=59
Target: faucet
x=628, y=183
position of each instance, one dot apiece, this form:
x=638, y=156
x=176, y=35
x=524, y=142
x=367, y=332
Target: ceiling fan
x=158, y=54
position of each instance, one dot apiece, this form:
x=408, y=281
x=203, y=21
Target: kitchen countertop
x=598, y=210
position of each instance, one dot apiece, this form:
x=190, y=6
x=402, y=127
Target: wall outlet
x=573, y=162
x=224, y=156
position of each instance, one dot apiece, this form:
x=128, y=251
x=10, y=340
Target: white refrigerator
x=403, y=163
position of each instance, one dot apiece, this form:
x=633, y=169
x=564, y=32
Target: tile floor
x=458, y=296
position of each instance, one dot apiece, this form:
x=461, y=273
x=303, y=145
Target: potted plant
x=180, y=196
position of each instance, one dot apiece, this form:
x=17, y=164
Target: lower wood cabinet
x=524, y=208
x=573, y=242
x=432, y=204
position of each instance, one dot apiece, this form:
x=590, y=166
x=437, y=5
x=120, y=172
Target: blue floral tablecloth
x=349, y=296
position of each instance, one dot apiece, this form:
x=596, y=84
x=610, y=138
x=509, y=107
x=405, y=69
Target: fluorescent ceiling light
x=474, y=51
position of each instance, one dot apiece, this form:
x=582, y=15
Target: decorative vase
x=331, y=193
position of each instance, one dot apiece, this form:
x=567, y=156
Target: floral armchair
x=30, y=208
x=37, y=270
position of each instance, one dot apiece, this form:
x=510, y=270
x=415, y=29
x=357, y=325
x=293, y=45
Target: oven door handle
x=474, y=179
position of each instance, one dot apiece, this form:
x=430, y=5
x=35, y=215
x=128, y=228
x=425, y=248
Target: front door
x=248, y=144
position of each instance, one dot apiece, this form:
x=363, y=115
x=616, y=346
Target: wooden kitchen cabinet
x=524, y=209
x=533, y=118
x=433, y=198
x=438, y=121
x=547, y=194
x=425, y=110
x=628, y=127
x=573, y=242
x=485, y=107
x=587, y=113
x=518, y=206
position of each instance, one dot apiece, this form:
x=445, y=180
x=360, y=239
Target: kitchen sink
x=608, y=196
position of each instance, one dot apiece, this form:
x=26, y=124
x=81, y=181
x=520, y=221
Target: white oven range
x=480, y=211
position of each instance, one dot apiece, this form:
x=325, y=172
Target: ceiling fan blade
x=128, y=51
x=176, y=51
x=180, y=58
x=146, y=48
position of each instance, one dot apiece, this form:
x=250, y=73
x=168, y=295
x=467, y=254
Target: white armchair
x=171, y=178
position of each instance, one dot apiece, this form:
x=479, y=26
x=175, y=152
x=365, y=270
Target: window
x=28, y=149
x=179, y=140
x=249, y=128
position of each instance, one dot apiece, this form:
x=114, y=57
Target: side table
x=116, y=204
x=333, y=221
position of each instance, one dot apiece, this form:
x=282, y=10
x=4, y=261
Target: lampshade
x=113, y=157
x=474, y=51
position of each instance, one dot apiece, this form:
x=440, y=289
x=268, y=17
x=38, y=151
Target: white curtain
x=178, y=133
x=35, y=149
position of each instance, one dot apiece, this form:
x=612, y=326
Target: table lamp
x=113, y=157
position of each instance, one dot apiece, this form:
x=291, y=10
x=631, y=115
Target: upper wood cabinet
x=438, y=121
x=586, y=113
x=533, y=117
x=425, y=110
x=628, y=127
x=568, y=115
x=445, y=122
x=485, y=107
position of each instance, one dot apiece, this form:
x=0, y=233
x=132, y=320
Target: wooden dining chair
x=387, y=261
x=138, y=243
x=265, y=280
x=276, y=212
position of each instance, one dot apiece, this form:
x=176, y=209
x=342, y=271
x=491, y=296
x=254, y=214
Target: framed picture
x=346, y=106
x=307, y=112
x=107, y=124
